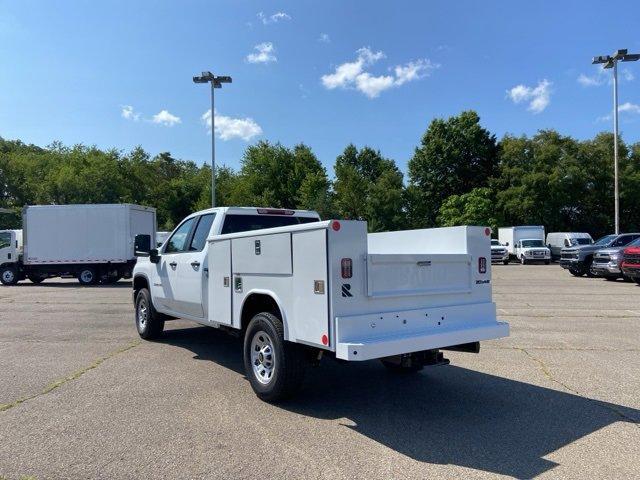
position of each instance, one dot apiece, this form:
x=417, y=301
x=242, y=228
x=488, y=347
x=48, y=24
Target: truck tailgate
x=418, y=274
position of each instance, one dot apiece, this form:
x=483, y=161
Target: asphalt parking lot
x=82, y=397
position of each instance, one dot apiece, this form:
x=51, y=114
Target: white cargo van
x=91, y=242
x=556, y=241
x=298, y=288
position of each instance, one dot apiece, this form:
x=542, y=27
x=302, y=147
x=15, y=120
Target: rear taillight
x=346, y=266
x=482, y=265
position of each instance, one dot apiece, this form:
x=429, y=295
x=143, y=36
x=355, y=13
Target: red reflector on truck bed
x=274, y=211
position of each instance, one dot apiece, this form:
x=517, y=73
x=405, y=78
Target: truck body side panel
x=220, y=288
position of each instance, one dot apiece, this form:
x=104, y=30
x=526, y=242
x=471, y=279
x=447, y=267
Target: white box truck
x=298, y=288
x=90, y=242
x=525, y=243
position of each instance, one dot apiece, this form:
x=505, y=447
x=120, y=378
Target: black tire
x=87, y=276
x=110, y=280
x=404, y=369
x=611, y=279
x=149, y=322
x=547, y=262
x=505, y=262
x=576, y=272
x=264, y=345
x=37, y=279
x=523, y=260
x=638, y=281
x=8, y=275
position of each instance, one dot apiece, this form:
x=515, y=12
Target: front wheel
x=8, y=275
x=576, y=272
x=523, y=260
x=275, y=368
x=505, y=262
x=149, y=322
x=547, y=262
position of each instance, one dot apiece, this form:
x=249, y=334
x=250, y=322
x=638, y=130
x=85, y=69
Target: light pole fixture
x=611, y=61
x=216, y=82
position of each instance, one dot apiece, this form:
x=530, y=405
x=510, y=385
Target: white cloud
x=625, y=108
x=353, y=74
x=538, y=97
x=275, y=18
x=324, y=38
x=228, y=128
x=590, y=81
x=129, y=113
x=165, y=118
x=603, y=76
x=627, y=75
x=265, y=53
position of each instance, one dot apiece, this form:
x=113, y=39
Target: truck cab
x=10, y=251
x=177, y=272
x=529, y=250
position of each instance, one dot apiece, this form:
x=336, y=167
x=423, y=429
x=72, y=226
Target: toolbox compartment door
x=390, y=275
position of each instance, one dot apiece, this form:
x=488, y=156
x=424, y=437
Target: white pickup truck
x=298, y=288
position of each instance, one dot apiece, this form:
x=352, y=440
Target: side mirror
x=506, y=244
x=142, y=245
x=154, y=256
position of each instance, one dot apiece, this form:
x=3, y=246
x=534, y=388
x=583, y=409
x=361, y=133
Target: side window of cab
x=178, y=241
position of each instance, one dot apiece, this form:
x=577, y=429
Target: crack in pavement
x=547, y=373
x=74, y=376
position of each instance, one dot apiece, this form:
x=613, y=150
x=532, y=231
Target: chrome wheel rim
x=8, y=276
x=263, y=357
x=86, y=276
x=143, y=315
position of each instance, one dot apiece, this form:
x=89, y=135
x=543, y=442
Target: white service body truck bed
x=409, y=290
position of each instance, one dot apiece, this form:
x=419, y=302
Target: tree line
x=460, y=173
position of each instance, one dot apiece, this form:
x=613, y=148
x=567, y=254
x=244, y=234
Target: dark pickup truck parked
x=578, y=259
x=631, y=263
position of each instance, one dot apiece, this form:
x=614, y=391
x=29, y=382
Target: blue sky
x=118, y=74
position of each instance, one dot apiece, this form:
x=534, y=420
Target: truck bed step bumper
x=415, y=330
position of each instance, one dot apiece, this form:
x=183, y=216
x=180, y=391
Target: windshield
x=605, y=240
x=635, y=243
x=246, y=223
x=495, y=243
x=5, y=239
x=532, y=243
x=580, y=241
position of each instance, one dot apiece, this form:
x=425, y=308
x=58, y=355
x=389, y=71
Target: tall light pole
x=216, y=82
x=611, y=61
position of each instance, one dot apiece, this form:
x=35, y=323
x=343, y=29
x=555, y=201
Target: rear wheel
x=8, y=275
x=149, y=323
x=87, y=276
x=275, y=368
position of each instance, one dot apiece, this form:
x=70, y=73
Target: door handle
x=195, y=264
x=173, y=264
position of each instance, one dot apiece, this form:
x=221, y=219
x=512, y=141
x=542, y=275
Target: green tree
x=472, y=208
x=369, y=187
x=455, y=156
